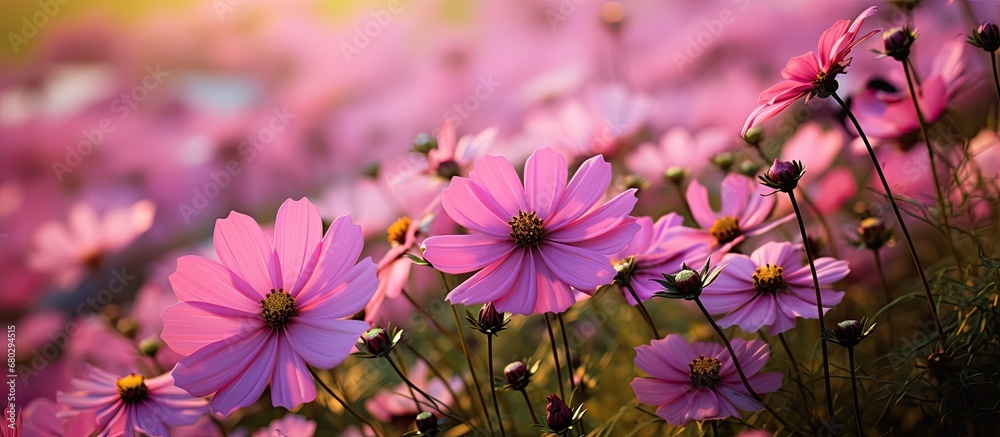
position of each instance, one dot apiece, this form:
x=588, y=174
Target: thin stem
x=344, y=404
x=408, y=388
x=434, y=402
x=854, y=391
x=788, y=351
x=642, y=309
x=569, y=358
x=472, y=369
x=819, y=301
x=555, y=356
x=736, y=362
x=684, y=202
x=428, y=316
x=531, y=409
x=885, y=294
x=823, y=223
x=493, y=383
x=434, y=370
x=996, y=75
x=942, y=205
x=899, y=219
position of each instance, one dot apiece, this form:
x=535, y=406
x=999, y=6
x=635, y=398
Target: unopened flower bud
x=896, y=42
x=724, y=161
x=558, y=416
x=150, y=346
x=783, y=175
x=377, y=341
x=675, y=175
x=490, y=321
x=754, y=135
x=873, y=234
x=517, y=375
x=427, y=424
x=986, y=37
x=849, y=332
x=688, y=281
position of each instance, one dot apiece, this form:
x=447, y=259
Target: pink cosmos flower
x=678, y=147
x=744, y=213
x=698, y=381
x=66, y=251
x=532, y=243
x=656, y=249
x=131, y=404
x=772, y=287
x=267, y=312
x=291, y=425
x=394, y=268
x=817, y=147
x=812, y=74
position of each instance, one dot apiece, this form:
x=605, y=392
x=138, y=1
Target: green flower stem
x=493, y=383
x=642, y=310
x=344, y=404
x=555, y=356
x=569, y=358
x=902, y=224
x=854, y=391
x=819, y=302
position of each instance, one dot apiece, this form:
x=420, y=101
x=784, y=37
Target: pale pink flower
x=291, y=425
x=681, y=148
x=42, y=418
x=817, y=147
x=771, y=288
x=67, y=250
x=698, y=381
x=267, y=312
x=814, y=73
x=744, y=212
x=396, y=404
x=532, y=244
x=394, y=268
x=656, y=249
x=130, y=404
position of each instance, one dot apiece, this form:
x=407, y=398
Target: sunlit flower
x=267, y=312
x=657, y=248
x=531, y=243
x=814, y=73
x=131, y=403
x=772, y=288
x=744, y=212
x=698, y=381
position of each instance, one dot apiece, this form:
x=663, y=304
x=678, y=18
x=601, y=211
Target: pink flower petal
x=580, y=268
x=322, y=342
x=338, y=253
x=344, y=297
x=201, y=280
x=457, y=254
x=524, y=294
x=554, y=296
x=596, y=220
x=657, y=392
x=297, y=233
x=216, y=365
x=490, y=283
x=589, y=183
x=497, y=177
x=243, y=249
x=291, y=382
x=249, y=384
x=189, y=326
x=474, y=208
x=544, y=181
x=697, y=198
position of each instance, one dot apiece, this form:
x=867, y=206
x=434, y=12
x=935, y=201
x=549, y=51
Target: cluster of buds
x=849, y=333
x=986, y=37
x=896, y=42
x=489, y=322
x=377, y=342
x=783, y=175
x=688, y=283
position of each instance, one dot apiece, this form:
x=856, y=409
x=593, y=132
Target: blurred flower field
x=523, y=217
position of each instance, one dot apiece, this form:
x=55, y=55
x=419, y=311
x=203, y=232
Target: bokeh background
x=127, y=128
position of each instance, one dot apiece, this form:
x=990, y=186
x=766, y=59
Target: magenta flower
x=698, y=381
x=812, y=74
x=266, y=312
x=657, y=248
x=532, y=243
x=291, y=425
x=131, y=404
x=744, y=213
x=772, y=287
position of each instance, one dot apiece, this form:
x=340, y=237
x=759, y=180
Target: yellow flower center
x=132, y=389
x=526, y=229
x=705, y=372
x=397, y=230
x=725, y=229
x=769, y=279
x=277, y=309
